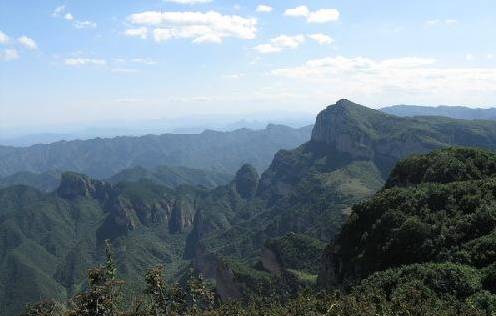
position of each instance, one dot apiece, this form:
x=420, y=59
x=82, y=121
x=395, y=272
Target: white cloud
x=320, y=38
x=280, y=43
x=301, y=11
x=319, y=16
x=264, y=8
x=141, y=32
x=323, y=16
x=162, y=35
x=9, y=54
x=68, y=16
x=201, y=27
x=27, y=42
x=84, y=61
x=189, y=1
x=84, y=24
x=58, y=11
x=285, y=41
x=267, y=49
x=4, y=39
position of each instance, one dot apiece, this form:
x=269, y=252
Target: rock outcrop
x=73, y=185
x=246, y=181
x=181, y=217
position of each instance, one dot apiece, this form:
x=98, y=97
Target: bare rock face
x=73, y=185
x=226, y=286
x=154, y=213
x=269, y=261
x=246, y=181
x=181, y=217
x=214, y=268
x=337, y=126
x=329, y=269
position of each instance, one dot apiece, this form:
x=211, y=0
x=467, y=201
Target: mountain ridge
x=101, y=158
x=457, y=112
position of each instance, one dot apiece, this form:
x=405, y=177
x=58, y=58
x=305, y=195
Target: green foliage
x=444, y=166
x=425, y=245
x=298, y=252
x=103, y=295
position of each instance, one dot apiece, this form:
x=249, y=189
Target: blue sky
x=78, y=62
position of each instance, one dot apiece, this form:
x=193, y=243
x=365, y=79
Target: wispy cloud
x=27, y=42
x=281, y=43
x=141, y=32
x=4, y=39
x=84, y=61
x=9, y=54
x=320, y=38
x=84, y=24
x=61, y=12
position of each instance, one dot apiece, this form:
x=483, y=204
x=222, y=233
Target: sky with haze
x=77, y=62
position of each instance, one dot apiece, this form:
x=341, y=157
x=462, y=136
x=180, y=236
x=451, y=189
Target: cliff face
x=73, y=185
x=339, y=127
x=366, y=134
x=181, y=217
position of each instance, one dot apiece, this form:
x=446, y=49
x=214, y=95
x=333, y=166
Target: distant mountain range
x=457, y=112
x=222, y=152
x=192, y=124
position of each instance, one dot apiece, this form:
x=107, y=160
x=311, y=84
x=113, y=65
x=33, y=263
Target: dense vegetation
x=431, y=231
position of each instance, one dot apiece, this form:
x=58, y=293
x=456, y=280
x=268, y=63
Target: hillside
x=431, y=229
x=46, y=181
x=49, y=240
x=456, y=112
x=100, y=158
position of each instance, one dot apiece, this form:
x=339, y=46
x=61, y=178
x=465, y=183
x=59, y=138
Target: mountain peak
x=345, y=103
x=348, y=126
